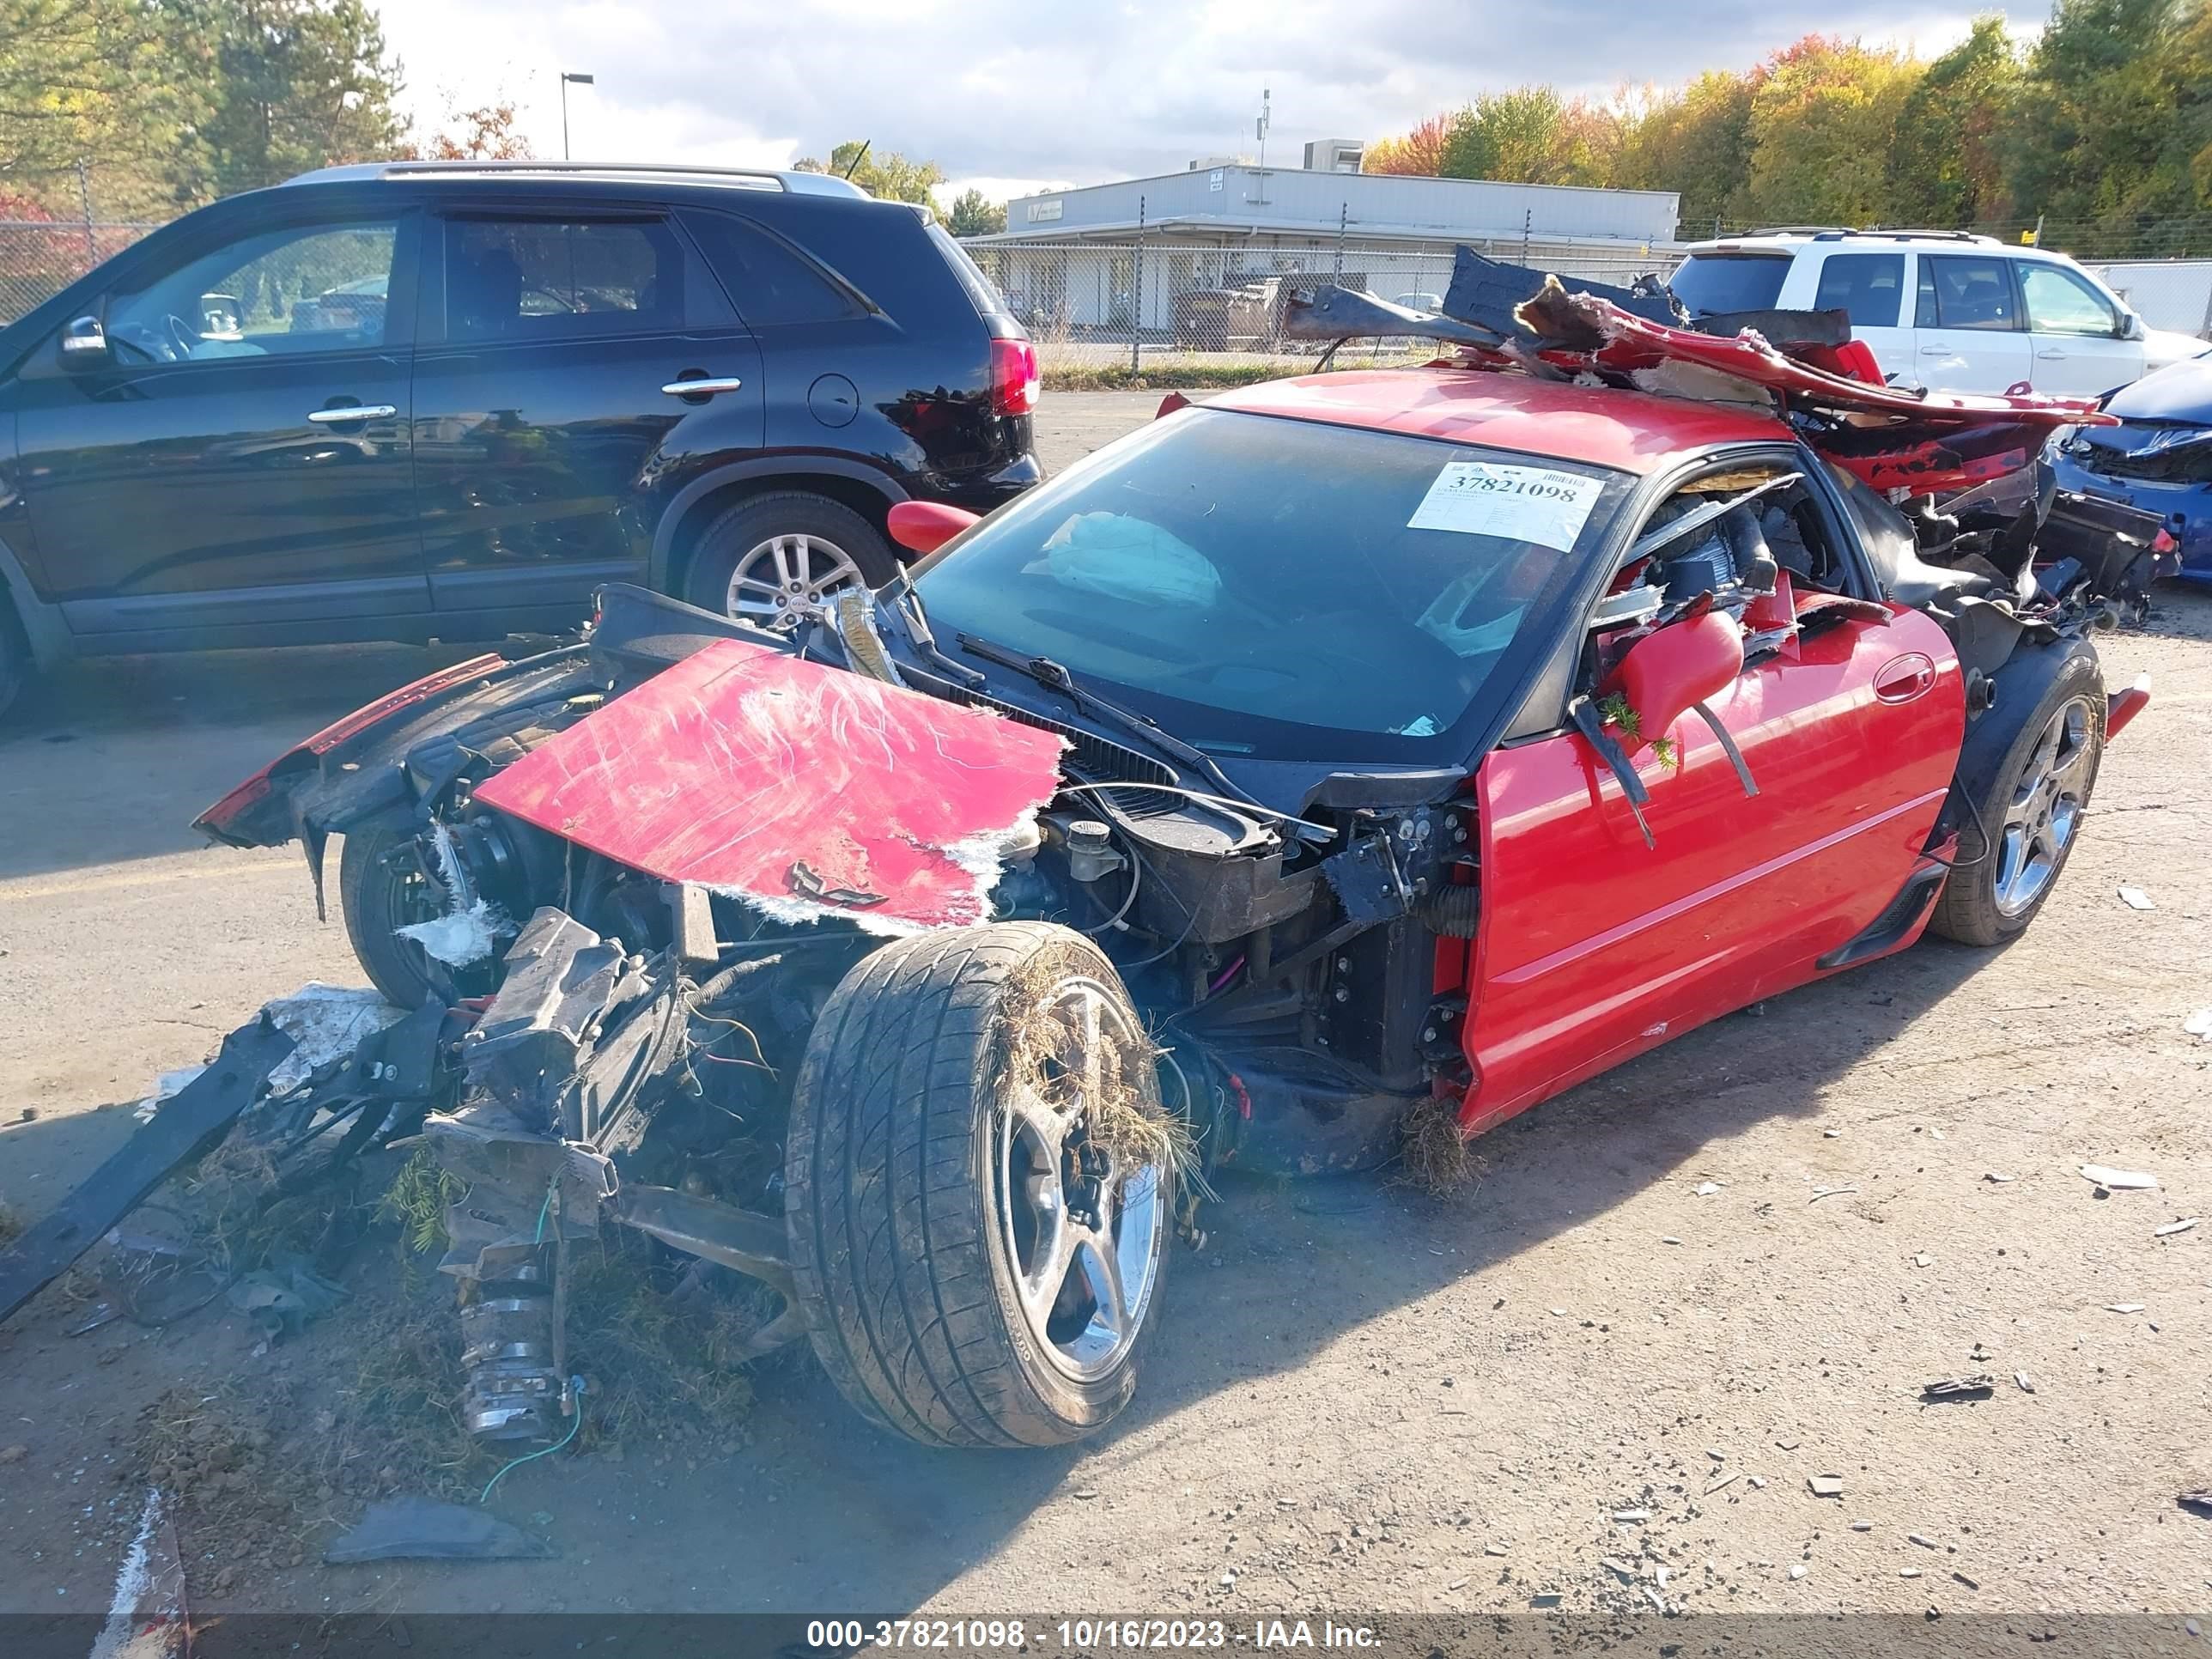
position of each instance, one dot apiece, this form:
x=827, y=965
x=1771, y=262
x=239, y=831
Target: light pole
x=581, y=80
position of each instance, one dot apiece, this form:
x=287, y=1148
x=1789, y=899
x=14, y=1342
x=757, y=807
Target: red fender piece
x=808, y=790
x=2122, y=708
x=1665, y=674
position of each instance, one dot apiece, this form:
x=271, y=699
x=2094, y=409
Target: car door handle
x=702, y=387
x=353, y=412
x=1903, y=679
x=2053, y=353
x=1935, y=351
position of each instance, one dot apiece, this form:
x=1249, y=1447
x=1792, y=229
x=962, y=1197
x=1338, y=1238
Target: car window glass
x=1198, y=568
x=1869, y=286
x=522, y=280
x=303, y=288
x=1967, y=291
x=2061, y=301
x=767, y=281
x=1714, y=284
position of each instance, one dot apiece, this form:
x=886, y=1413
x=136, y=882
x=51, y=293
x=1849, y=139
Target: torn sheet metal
x=804, y=790
x=1489, y=294
x=1587, y=328
x=324, y=1022
x=1330, y=312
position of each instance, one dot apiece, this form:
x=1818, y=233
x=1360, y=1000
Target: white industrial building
x=1224, y=221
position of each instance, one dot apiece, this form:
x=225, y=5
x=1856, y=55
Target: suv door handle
x=2053, y=353
x=353, y=412
x=1935, y=351
x=1903, y=679
x=702, y=387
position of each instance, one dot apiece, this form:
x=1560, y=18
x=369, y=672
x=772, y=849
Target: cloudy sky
x=1013, y=95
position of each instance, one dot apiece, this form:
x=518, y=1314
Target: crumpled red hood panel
x=806, y=790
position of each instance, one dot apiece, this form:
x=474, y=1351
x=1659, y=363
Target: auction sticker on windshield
x=1514, y=503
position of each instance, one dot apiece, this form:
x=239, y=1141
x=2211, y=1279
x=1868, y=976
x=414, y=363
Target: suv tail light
x=1014, y=378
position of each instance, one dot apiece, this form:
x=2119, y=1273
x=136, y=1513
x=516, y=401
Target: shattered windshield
x=1281, y=587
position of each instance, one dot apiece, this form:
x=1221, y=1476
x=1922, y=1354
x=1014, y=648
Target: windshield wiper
x=1054, y=677
x=903, y=600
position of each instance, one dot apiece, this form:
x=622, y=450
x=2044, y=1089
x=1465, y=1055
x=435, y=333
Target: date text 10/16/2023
x=1085, y=1635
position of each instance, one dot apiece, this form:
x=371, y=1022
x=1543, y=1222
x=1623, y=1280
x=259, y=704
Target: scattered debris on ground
x=2118, y=1181
x=413, y=1528
x=1979, y=1386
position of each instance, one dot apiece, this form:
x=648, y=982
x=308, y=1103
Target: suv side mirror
x=84, y=342
x=1666, y=674
x=2131, y=326
x=925, y=526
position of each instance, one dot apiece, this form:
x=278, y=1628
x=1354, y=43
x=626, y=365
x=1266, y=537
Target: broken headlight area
x=858, y=983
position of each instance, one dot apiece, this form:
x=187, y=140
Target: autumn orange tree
x=2106, y=122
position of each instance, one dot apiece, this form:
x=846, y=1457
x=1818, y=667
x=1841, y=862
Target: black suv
x=416, y=401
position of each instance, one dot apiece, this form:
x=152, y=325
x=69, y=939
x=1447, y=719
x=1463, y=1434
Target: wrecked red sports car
x=1350, y=751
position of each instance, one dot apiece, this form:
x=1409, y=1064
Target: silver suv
x=1944, y=309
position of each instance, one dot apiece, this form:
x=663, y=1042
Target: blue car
x=2160, y=460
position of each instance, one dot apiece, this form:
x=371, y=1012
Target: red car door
x=1593, y=947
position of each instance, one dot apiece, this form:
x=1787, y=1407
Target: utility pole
x=1260, y=127
x=581, y=80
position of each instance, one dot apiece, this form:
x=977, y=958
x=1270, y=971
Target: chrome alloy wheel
x=786, y=577
x=2045, y=809
x=1084, y=1225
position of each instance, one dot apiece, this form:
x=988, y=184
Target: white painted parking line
x=146, y=1616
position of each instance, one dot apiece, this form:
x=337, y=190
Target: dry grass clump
x=1432, y=1154
x=1123, y=1115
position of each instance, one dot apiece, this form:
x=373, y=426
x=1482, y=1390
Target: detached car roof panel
x=1630, y=431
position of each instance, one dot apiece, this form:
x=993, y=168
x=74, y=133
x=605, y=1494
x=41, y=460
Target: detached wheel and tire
x=771, y=558
x=2031, y=803
x=977, y=1237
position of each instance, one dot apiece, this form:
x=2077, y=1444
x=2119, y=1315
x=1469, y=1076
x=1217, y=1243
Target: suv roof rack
x=791, y=182
x=1838, y=233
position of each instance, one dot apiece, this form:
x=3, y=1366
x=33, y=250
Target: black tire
x=737, y=531
x=892, y=1172
x=378, y=897
x=1994, y=767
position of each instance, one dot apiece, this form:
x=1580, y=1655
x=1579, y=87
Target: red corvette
x=1349, y=750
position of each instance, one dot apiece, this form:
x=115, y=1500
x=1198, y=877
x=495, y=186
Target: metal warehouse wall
x=1373, y=203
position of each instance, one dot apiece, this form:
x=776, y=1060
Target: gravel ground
x=1680, y=1291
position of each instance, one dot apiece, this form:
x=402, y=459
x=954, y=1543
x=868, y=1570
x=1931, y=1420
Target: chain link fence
x=1110, y=308
x=2175, y=293
x=39, y=257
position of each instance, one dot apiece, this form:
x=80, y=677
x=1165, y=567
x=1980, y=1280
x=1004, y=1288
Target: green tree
x=1824, y=117
x=972, y=215
x=96, y=80
x=295, y=84
x=1697, y=142
x=888, y=176
x=2111, y=130
x=1946, y=164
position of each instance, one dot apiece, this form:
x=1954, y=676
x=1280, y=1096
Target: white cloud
x=1010, y=96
